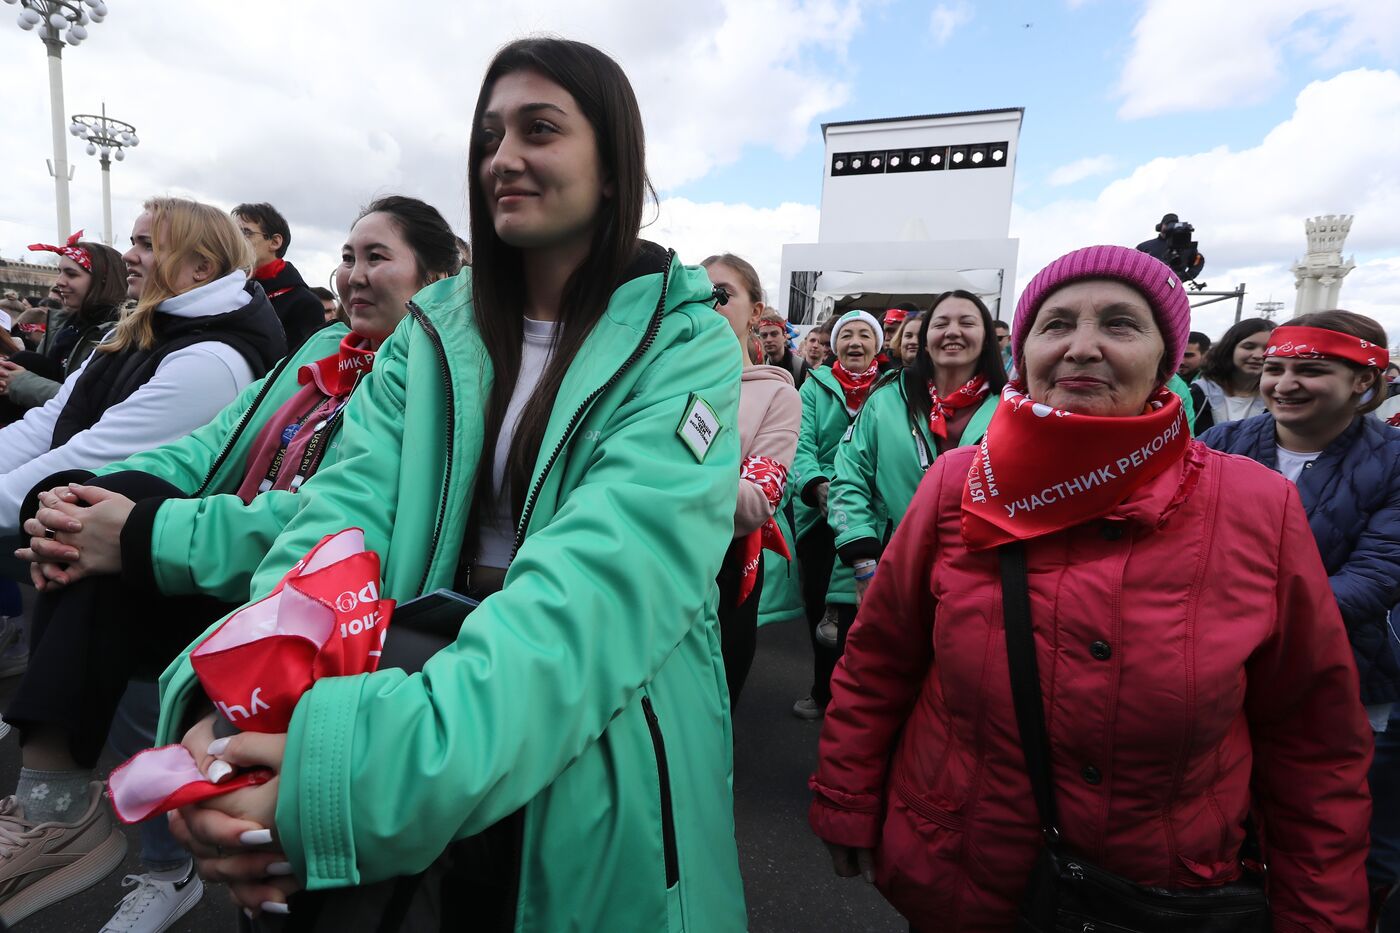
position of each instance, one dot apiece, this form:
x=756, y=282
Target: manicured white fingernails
x=256, y=837
x=279, y=869
x=274, y=907
x=217, y=746
x=220, y=770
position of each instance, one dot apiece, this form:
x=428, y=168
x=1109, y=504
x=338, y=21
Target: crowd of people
x=1087, y=593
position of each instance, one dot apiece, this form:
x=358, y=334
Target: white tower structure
x=1319, y=274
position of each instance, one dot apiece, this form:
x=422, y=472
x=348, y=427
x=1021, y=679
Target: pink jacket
x=1193, y=664
x=770, y=414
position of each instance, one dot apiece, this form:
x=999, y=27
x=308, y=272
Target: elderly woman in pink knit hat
x=1051, y=684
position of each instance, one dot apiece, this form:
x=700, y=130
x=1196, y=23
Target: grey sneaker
x=827, y=632
x=807, y=708
x=43, y=863
x=155, y=905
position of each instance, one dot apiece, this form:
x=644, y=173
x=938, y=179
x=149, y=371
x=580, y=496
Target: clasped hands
x=75, y=534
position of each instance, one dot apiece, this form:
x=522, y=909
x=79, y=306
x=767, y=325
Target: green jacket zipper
x=663, y=774
x=451, y=423
x=268, y=383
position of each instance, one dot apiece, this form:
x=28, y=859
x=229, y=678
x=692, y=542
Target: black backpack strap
x=1025, y=682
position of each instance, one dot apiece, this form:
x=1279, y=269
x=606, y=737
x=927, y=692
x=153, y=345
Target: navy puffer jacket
x=1352, y=496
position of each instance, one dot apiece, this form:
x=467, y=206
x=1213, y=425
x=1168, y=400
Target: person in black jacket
x=1322, y=376
x=266, y=230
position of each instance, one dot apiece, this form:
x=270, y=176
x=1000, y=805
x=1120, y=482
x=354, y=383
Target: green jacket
x=825, y=421
x=1183, y=392
x=879, y=465
x=211, y=543
x=590, y=689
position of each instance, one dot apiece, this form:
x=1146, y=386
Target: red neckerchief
x=770, y=476
x=1040, y=469
x=336, y=374
x=856, y=386
x=969, y=393
x=1312, y=343
x=270, y=271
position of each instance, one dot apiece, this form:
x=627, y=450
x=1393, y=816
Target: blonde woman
x=200, y=333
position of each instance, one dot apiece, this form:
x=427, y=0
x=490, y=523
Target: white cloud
x=1339, y=152
x=946, y=19
x=1190, y=55
x=698, y=230
x=364, y=102
x=1081, y=169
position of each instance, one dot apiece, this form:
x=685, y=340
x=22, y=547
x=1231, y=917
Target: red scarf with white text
x=770, y=476
x=969, y=393
x=1040, y=469
x=335, y=375
x=856, y=386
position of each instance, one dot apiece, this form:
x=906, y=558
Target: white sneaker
x=155, y=905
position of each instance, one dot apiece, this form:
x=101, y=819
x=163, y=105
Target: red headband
x=1313, y=343
x=73, y=251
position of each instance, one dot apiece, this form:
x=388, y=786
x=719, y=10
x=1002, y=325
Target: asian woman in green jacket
x=556, y=437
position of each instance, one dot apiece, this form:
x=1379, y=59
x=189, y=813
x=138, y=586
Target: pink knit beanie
x=1164, y=291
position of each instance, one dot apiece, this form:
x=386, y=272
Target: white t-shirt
x=1237, y=406
x=498, y=528
x=1292, y=464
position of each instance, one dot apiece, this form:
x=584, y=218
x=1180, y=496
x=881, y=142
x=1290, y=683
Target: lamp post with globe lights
x=59, y=22
x=110, y=138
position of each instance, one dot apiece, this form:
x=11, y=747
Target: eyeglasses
x=249, y=234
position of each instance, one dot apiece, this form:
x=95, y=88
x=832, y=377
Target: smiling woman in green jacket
x=557, y=437
x=944, y=399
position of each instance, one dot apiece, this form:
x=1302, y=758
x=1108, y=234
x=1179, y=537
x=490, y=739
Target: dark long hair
x=605, y=97
x=918, y=375
x=108, y=288
x=1220, y=358
x=427, y=234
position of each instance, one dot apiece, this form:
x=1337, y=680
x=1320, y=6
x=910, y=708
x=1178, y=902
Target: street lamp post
x=109, y=137
x=59, y=22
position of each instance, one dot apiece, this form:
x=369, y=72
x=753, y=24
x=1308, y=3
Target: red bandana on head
x=336, y=375
x=969, y=393
x=1040, y=469
x=1315, y=343
x=72, y=250
x=770, y=476
x=856, y=386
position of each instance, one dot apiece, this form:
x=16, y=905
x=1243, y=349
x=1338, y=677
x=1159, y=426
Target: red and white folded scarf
x=324, y=619
x=1041, y=469
x=969, y=393
x=770, y=476
x=856, y=386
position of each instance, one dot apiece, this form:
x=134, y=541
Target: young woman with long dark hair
x=1228, y=386
x=943, y=399
x=554, y=436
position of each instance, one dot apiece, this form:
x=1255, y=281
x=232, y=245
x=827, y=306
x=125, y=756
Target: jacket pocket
x=663, y=775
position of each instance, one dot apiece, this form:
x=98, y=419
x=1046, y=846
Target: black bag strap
x=1025, y=683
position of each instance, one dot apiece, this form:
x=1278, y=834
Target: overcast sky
x=1244, y=116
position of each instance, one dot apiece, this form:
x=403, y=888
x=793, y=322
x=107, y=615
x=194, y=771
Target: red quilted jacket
x=1193, y=662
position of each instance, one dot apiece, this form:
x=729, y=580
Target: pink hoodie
x=770, y=414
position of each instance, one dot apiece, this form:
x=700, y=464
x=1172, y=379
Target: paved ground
x=787, y=875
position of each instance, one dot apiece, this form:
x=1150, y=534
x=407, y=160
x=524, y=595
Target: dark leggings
x=816, y=552
x=738, y=624
x=89, y=639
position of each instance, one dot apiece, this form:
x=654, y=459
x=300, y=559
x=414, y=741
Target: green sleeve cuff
x=313, y=804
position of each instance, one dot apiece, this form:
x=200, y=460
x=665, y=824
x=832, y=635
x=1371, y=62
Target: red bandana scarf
x=269, y=270
x=856, y=386
x=71, y=250
x=969, y=393
x=1039, y=469
x=1313, y=343
x=770, y=476
x=336, y=374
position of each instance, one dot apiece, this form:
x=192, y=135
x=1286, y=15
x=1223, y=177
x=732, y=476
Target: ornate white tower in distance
x=1319, y=274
